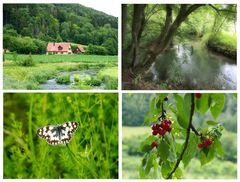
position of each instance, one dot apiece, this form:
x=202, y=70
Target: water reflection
x=194, y=67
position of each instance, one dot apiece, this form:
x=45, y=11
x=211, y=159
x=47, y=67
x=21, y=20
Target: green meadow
x=92, y=153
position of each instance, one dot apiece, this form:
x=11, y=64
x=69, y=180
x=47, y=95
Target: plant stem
x=186, y=140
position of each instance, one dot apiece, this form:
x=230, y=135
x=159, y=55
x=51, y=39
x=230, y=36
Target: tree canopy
x=42, y=23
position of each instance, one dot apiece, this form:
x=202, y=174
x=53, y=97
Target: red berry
x=161, y=131
x=165, y=126
x=154, y=132
x=208, y=142
x=154, y=127
x=198, y=95
x=154, y=144
x=200, y=145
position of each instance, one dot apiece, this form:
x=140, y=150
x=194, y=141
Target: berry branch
x=190, y=126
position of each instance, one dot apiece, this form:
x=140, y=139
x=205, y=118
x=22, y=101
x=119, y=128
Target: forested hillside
x=28, y=27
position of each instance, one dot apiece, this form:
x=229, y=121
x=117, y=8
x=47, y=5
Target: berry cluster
x=154, y=144
x=205, y=143
x=162, y=128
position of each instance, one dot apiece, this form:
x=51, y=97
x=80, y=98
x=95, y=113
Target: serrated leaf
x=219, y=148
x=211, y=122
x=202, y=103
x=163, y=150
x=191, y=150
x=217, y=104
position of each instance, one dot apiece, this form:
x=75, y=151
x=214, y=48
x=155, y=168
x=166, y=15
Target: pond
x=191, y=66
x=53, y=85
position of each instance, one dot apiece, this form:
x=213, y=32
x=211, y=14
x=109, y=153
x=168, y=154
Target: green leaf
x=146, y=165
x=217, y=104
x=219, y=148
x=155, y=166
x=166, y=169
x=210, y=122
x=202, y=103
x=178, y=173
x=163, y=150
x=187, y=102
x=172, y=147
x=145, y=145
x=191, y=150
x=182, y=114
x=207, y=155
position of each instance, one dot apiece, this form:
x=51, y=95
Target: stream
x=53, y=85
x=194, y=67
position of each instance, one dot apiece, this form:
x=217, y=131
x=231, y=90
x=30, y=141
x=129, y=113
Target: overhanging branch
x=221, y=10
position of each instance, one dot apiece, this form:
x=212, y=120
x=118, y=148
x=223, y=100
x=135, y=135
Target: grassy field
x=92, y=152
x=48, y=66
x=132, y=136
x=65, y=58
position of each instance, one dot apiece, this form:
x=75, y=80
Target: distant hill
x=44, y=23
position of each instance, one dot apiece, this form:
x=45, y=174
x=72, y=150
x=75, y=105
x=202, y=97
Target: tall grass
x=91, y=153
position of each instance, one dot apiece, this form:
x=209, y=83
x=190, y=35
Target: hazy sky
x=110, y=7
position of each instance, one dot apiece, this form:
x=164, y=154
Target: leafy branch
x=190, y=126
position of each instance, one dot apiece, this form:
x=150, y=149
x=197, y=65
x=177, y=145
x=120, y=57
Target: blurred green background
x=92, y=152
x=136, y=106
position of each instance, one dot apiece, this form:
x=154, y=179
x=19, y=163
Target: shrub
x=27, y=61
x=63, y=79
x=94, y=81
x=110, y=82
x=77, y=78
x=98, y=50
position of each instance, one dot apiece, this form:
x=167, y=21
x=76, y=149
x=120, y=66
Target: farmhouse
x=78, y=49
x=59, y=48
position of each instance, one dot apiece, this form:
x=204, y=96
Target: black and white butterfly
x=58, y=134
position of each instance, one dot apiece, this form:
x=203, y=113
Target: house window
x=60, y=48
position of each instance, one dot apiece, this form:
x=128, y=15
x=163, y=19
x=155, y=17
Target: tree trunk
x=137, y=29
x=166, y=36
x=124, y=22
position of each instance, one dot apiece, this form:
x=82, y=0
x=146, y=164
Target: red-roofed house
x=80, y=49
x=59, y=48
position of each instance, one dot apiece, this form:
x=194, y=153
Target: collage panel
x=59, y=47
x=179, y=46
x=60, y=136
x=179, y=136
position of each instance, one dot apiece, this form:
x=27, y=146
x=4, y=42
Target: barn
x=59, y=48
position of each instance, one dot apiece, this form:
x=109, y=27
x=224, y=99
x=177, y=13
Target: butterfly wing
x=60, y=134
x=69, y=128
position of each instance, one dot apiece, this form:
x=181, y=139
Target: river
x=191, y=66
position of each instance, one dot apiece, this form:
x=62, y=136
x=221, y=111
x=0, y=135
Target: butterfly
x=58, y=134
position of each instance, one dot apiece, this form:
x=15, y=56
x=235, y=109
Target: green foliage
x=41, y=23
x=96, y=50
x=92, y=152
x=28, y=61
x=63, y=79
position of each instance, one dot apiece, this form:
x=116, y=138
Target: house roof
x=81, y=48
x=58, y=47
